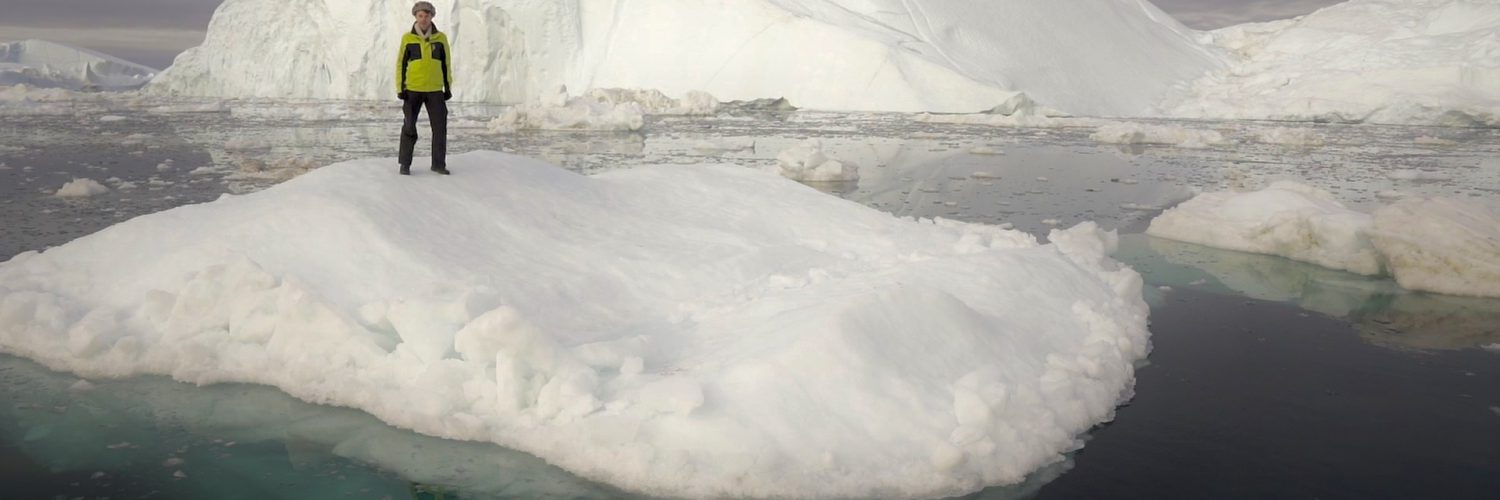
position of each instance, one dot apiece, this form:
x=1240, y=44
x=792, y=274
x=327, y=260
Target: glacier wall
x=1109, y=57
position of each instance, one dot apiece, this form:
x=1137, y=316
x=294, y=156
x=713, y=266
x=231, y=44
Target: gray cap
x=421, y=6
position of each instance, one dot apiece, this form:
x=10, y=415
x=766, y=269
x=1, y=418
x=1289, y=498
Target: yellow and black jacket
x=424, y=65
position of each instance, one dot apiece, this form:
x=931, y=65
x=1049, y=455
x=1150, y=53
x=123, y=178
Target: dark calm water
x=1267, y=379
x=1251, y=399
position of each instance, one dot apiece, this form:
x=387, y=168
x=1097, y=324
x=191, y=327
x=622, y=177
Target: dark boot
x=405, y=170
x=441, y=170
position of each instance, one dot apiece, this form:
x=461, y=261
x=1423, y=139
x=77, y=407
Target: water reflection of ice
x=150, y=434
x=153, y=428
x=1383, y=312
x=1430, y=321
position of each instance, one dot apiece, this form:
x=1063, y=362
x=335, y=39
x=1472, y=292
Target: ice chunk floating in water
x=809, y=163
x=678, y=330
x=1442, y=245
x=81, y=188
x=1292, y=220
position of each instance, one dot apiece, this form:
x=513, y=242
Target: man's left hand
x=447, y=95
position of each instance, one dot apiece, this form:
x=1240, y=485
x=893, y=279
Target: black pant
x=437, y=115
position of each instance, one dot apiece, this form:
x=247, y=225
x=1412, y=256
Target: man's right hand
x=401, y=95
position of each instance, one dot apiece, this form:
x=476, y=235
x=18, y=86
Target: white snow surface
x=680, y=330
x=1440, y=245
x=1103, y=57
x=1289, y=219
x=1380, y=61
x=39, y=63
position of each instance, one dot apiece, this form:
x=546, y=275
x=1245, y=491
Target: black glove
x=401, y=95
x=447, y=95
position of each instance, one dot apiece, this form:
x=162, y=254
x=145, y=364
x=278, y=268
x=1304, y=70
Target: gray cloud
x=1212, y=14
x=149, y=46
x=149, y=32
x=75, y=14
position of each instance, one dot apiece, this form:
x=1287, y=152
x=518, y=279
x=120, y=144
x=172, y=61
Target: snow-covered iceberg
x=38, y=63
x=1421, y=61
x=679, y=330
x=1106, y=57
x=1381, y=61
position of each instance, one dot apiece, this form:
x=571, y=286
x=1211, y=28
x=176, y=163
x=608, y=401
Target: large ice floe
x=1106, y=57
x=39, y=63
x=680, y=330
x=1381, y=61
x=1439, y=245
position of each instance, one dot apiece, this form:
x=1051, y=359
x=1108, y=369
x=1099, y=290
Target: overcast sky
x=152, y=32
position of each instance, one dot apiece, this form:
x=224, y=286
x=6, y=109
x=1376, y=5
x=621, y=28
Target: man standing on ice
x=424, y=77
